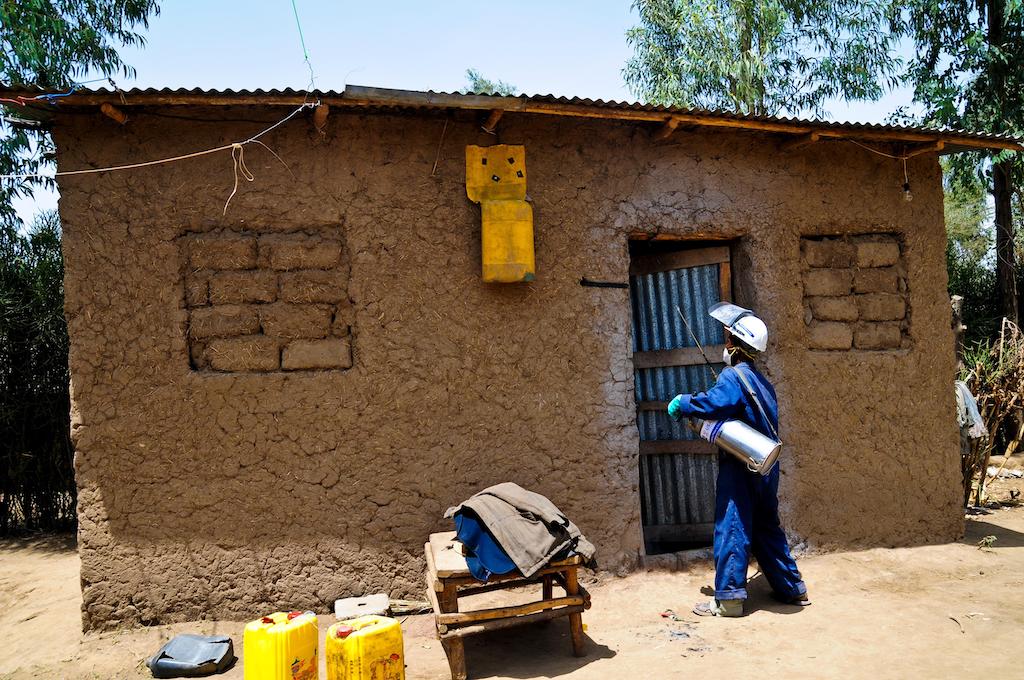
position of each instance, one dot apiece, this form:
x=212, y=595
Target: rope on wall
x=251, y=140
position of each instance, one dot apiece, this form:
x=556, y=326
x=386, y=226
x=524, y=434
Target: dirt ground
x=931, y=611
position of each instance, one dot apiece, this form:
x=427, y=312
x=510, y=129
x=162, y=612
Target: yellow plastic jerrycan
x=367, y=648
x=506, y=241
x=282, y=646
x=496, y=179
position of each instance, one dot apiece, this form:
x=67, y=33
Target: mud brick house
x=274, y=403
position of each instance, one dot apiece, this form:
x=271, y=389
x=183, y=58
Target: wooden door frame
x=643, y=264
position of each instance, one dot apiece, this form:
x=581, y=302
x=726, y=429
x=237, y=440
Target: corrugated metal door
x=677, y=468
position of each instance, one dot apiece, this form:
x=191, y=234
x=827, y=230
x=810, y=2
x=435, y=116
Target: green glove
x=675, y=410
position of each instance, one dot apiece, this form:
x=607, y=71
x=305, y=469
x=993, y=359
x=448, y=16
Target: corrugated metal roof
x=355, y=95
x=637, y=106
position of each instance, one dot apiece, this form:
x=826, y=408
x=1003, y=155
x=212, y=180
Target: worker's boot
x=729, y=608
x=796, y=600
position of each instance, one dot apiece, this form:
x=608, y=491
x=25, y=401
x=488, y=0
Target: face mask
x=727, y=356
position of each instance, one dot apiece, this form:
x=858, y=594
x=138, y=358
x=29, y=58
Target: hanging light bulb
x=907, y=196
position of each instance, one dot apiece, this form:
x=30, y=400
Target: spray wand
x=697, y=342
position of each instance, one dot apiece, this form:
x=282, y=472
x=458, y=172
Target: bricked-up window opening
x=267, y=302
x=855, y=292
x=677, y=468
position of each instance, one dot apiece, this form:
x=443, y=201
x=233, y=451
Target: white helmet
x=742, y=323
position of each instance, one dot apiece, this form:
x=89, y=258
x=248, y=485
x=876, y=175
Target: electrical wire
x=305, y=51
x=237, y=149
x=172, y=159
x=50, y=98
x=880, y=153
x=904, y=158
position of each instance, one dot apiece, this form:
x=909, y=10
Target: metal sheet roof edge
x=357, y=95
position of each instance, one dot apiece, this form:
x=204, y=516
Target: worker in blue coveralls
x=746, y=503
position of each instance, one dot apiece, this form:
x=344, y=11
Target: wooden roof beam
x=802, y=140
x=666, y=129
x=492, y=120
x=355, y=96
x=113, y=113
x=936, y=147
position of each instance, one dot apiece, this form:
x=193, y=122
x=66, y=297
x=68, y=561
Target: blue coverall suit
x=746, y=503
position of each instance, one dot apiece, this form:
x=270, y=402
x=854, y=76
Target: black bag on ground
x=192, y=656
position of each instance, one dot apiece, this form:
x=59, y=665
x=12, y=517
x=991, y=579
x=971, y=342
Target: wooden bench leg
x=454, y=648
x=572, y=587
x=456, y=652
x=547, y=583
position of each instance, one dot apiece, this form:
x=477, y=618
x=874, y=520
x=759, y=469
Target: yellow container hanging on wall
x=496, y=173
x=506, y=241
x=366, y=648
x=282, y=646
x=496, y=179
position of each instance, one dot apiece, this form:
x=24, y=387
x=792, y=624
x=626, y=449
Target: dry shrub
x=994, y=371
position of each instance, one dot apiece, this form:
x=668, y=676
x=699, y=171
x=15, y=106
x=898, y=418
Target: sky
x=570, y=47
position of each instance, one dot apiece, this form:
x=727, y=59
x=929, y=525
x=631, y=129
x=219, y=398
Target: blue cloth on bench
x=485, y=556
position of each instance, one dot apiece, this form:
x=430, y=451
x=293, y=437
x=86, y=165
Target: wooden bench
x=448, y=579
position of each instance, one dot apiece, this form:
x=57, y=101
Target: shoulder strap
x=757, y=402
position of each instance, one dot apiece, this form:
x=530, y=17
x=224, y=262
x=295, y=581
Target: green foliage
x=969, y=253
x=968, y=216
x=48, y=44
x=762, y=56
x=987, y=542
x=37, y=485
x=22, y=151
x=964, y=82
x=480, y=85
x=976, y=284
x=956, y=72
x=969, y=73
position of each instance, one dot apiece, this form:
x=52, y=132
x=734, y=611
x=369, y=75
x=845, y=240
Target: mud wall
x=226, y=490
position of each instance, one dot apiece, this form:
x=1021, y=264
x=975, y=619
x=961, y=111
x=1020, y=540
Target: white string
x=904, y=157
x=274, y=154
x=238, y=158
x=880, y=153
x=172, y=159
x=306, y=105
x=437, y=157
x=117, y=167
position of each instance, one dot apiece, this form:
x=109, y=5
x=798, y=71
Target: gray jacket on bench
x=529, y=528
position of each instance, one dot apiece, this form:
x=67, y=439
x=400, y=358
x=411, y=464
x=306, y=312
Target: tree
x=761, y=57
x=480, y=85
x=969, y=73
x=969, y=255
x=967, y=218
x=37, y=483
x=48, y=44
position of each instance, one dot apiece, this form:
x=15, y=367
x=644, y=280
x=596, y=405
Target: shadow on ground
x=41, y=544
x=977, y=529
x=759, y=598
x=533, y=651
